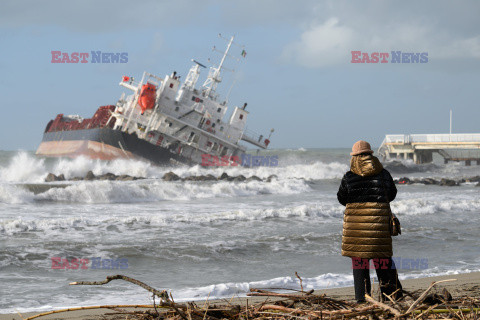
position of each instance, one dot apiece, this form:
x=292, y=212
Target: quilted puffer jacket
x=366, y=191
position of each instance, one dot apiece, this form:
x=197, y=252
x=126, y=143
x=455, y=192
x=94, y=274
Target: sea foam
x=26, y=168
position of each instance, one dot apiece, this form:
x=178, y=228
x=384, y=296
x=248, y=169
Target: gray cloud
x=327, y=30
x=105, y=16
x=95, y=16
x=444, y=29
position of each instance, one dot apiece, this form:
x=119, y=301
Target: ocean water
x=211, y=239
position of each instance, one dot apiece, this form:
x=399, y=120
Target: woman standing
x=366, y=191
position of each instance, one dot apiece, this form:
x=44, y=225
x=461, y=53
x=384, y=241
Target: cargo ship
x=163, y=121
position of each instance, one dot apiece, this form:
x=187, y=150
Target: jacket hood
x=365, y=165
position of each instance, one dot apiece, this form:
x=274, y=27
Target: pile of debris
x=293, y=306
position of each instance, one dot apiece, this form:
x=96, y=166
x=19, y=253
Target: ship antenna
x=214, y=78
x=230, y=90
x=200, y=64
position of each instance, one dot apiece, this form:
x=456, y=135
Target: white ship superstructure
x=184, y=119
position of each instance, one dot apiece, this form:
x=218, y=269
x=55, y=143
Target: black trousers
x=386, y=273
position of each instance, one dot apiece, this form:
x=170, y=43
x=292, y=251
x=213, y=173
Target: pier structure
x=420, y=147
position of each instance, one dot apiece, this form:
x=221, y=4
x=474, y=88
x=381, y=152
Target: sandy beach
x=467, y=284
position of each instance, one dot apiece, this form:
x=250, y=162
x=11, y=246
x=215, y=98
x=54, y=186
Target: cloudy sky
x=297, y=76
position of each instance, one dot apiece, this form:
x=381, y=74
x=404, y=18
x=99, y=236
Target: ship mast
x=210, y=84
x=193, y=75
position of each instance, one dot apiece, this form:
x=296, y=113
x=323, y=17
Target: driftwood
x=161, y=294
x=382, y=305
x=314, y=313
x=301, y=281
x=166, y=301
x=307, y=298
x=424, y=294
x=87, y=308
x=286, y=306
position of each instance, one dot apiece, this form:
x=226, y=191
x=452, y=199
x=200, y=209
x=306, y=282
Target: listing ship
x=163, y=121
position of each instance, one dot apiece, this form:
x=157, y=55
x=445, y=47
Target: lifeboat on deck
x=146, y=100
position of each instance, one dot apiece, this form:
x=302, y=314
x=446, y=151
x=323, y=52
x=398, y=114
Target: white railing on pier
x=432, y=138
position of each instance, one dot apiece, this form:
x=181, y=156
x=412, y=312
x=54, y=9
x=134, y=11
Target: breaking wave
x=23, y=168
x=157, y=190
x=324, y=281
x=318, y=212
x=315, y=170
x=227, y=290
x=431, y=203
x=11, y=194
x=26, y=168
x=165, y=218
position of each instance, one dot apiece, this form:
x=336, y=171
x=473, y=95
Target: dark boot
x=388, y=279
x=361, y=279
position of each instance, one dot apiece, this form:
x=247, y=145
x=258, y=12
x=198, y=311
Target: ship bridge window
x=241, y=116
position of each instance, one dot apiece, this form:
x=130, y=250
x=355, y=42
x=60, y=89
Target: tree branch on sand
x=163, y=295
x=299, y=305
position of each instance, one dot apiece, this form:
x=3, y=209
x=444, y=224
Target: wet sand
x=467, y=284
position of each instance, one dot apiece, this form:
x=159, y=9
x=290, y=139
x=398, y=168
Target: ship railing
x=253, y=138
x=152, y=79
x=165, y=129
x=252, y=134
x=131, y=84
x=147, y=77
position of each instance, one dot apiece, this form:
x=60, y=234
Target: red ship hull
x=95, y=138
